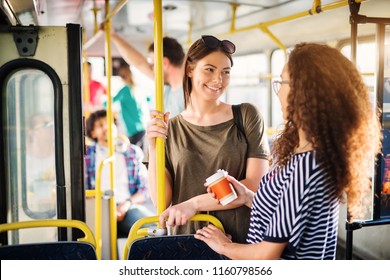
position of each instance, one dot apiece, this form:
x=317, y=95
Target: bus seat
x=162, y=247
x=82, y=249
x=62, y=250
x=177, y=247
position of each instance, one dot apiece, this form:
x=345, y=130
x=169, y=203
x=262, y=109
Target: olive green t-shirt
x=194, y=153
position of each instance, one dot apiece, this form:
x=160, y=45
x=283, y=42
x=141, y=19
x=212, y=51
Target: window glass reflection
x=40, y=163
x=28, y=119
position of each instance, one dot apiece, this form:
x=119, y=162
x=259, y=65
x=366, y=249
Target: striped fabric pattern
x=297, y=204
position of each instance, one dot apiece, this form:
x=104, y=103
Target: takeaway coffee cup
x=221, y=187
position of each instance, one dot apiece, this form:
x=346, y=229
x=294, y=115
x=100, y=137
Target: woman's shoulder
x=250, y=113
x=175, y=120
x=249, y=108
x=307, y=161
x=305, y=157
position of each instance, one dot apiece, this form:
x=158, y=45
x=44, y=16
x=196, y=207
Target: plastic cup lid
x=216, y=176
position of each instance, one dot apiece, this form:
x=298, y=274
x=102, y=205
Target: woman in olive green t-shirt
x=203, y=139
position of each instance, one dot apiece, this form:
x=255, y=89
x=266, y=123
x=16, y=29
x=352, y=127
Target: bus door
x=41, y=139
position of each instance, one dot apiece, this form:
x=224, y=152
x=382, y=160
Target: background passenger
x=330, y=137
x=130, y=173
x=131, y=107
x=204, y=138
x=97, y=91
x=173, y=56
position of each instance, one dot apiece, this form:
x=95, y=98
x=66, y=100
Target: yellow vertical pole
x=108, y=65
x=158, y=57
x=98, y=212
x=86, y=78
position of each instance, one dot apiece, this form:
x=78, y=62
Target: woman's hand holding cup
x=242, y=195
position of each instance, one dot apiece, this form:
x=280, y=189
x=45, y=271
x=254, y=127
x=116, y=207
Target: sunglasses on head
x=213, y=43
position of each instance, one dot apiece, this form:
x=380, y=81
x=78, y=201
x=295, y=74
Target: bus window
x=365, y=62
x=248, y=84
x=29, y=149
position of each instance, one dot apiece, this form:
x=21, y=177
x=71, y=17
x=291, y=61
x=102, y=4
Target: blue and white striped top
x=297, y=205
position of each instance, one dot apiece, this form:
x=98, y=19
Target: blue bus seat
x=61, y=250
x=82, y=249
x=177, y=247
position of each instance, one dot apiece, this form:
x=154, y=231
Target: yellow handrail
x=115, y=10
x=95, y=11
x=87, y=78
x=316, y=8
x=107, y=27
x=108, y=59
x=98, y=204
x=264, y=25
x=273, y=38
x=234, y=7
x=108, y=17
x=108, y=66
x=158, y=56
x=331, y=6
x=98, y=194
x=88, y=235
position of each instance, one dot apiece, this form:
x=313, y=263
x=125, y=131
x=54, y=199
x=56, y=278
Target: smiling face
x=100, y=131
x=210, y=76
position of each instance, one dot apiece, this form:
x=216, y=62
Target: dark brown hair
x=125, y=73
x=94, y=117
x=171, y=50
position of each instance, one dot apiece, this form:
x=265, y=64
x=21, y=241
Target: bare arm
x=180, y=213
x=218, y=241
x=132, y=56
x=256, y=168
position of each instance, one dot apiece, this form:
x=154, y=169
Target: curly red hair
x=330, y=102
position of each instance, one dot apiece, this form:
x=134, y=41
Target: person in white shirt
x=130, y=173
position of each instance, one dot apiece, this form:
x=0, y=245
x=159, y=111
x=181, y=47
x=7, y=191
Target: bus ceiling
x=260, y=24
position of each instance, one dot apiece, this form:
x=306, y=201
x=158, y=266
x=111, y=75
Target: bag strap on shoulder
x=238, y=121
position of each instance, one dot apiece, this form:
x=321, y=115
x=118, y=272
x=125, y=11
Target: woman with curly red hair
x=325, y=150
